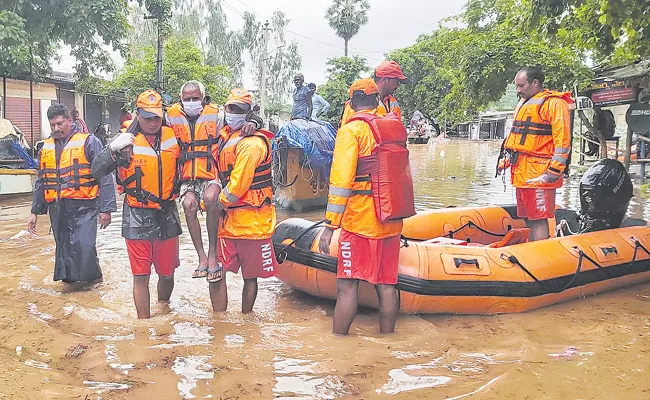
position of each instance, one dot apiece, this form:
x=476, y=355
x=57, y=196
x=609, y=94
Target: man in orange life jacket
x=537, y=150
x=73, y=197
x=368, y=248
x=196, y=123
x=147, y=175
x=247, y=199
x=388, y=77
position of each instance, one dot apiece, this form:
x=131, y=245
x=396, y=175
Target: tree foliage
x=347, y=17
x=39, y=28
x=341, y=72
x=614, y=30
x=280, y=57
x=457, y=72
x=183, y=62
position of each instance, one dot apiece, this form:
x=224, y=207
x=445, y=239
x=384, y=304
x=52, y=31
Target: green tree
x=346, y=17
x=614, y=30
x=341, y=72
x=280, y=57
x=39, y=28
x=183, y=61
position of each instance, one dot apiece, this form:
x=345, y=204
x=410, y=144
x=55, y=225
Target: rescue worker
x=537, y=150
x=145, y=157
x=196, y=123
x=247, y=198
x=126, y=124
x=368, y=248
x=74, y=199
x=388, y=77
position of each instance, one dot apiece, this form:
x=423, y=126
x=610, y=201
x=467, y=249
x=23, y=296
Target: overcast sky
x=392, y=24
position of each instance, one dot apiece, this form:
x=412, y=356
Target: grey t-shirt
x=300, y=106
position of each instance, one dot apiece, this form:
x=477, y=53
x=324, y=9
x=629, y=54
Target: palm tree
x=346, y=17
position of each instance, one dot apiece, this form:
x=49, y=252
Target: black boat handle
x=608, y=250
x=461, y=261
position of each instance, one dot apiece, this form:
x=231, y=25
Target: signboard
x=638, y=118
x=609, y=92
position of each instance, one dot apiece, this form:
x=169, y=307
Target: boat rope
x=405, y=240
x=281, y=256
x=582, y=257
x=279, y=178
x=471, y=224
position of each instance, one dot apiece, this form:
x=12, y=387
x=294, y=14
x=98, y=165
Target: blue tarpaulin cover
x=315, y=138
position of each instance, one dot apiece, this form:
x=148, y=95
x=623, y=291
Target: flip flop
x=215, y=275
x=200, y=272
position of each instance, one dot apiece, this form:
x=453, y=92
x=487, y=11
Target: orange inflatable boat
x=478, y=261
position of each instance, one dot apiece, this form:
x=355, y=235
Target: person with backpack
x=370, y=192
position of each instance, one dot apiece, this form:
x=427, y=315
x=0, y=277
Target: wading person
x=66, y=189
x=247, y=198
x=537, y=150
x=145, y=157
x=196, y=123
x=388, y=77
x=369, y=240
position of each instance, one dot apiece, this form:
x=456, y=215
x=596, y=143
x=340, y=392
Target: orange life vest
x=388, y=105
x=532, y=145
x=197, y=145
x=71, y=177
x=261, y=190
x=149, y=180
x=387, y=169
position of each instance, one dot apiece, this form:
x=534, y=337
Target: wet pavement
x=59, y=342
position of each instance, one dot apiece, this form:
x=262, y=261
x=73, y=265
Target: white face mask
x=235, y=121
x=192, y=108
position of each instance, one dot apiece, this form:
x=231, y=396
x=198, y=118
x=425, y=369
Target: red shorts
x=535, y=204
x=371, y=260
x=256, y=258
x=163, y=254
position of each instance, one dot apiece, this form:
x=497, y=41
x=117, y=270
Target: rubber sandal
x=216, y=275
x=200, y=272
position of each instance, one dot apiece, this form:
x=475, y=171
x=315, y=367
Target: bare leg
x=346, y=305
x=165, y=287
x=141, y=296
x=249, y=294
x=538, y=229
x=388, y=307
x=210, y=197
x=219, y=295
x=191, y=207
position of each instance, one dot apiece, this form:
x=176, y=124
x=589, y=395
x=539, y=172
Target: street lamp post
x=159, y=55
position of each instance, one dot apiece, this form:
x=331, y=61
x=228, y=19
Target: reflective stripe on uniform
x=229, y=196
x=337, y=191
x=168, y=144
x=207, y=118
x=562, y=150
x=144, y=150
x=535, y=100
x=561, y=159
x=75, y=143
x=178, y=120
x=335, y=208
x=48, y=146
x=231, y=142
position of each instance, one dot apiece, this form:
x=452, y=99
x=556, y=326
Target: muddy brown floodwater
x=57, y=344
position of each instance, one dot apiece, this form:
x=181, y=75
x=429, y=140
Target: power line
x=253, y=10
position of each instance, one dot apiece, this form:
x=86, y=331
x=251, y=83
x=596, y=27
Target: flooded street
x=60, y=344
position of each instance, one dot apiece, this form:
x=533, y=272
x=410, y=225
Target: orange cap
x=390, y=69
x=127, y=123
x=150, y=104
x=239, y=96
x=367, y=86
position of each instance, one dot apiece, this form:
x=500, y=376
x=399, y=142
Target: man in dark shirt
x=74, y=206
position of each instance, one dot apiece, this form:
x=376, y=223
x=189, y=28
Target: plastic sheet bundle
x=314, y=138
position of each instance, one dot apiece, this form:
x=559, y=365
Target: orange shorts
x=163, y=254
x=535, y=204
x=256, y=258
x=371, y=260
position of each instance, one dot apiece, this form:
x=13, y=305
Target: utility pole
x=159, y=54
x=265, y=38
